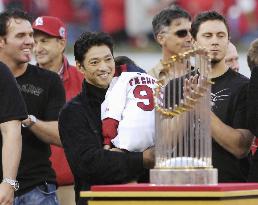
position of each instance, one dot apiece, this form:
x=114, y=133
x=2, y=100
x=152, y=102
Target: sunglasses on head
x=181, y=33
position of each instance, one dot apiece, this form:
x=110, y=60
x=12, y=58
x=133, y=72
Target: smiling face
x=47, y=49
x=98, y=66
x=213, y=35
x=18, y=43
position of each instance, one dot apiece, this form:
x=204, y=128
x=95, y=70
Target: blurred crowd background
x=129, y=21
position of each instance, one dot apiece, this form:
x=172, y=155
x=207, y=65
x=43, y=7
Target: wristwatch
x=12, y=182
x=32, y=121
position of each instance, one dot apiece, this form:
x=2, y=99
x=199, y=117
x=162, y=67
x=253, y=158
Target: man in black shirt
x=12, y=111
x=80, y=122
x=252, y=61
x=231, y=138
x=44, y=96
x=252, y=114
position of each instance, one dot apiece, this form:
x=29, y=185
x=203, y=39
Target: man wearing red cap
x=50, y=41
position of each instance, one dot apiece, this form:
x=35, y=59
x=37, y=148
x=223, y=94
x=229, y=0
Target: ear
x=2, y=42
x=161, y=38
x=80, y=67
x=62, y=43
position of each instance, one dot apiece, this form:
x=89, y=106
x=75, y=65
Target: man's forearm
x=12, y=146
x=47, y=132
x=235, y=141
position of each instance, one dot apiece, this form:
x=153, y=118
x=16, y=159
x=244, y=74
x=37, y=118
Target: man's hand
x=149, y=158
x=6, y=194
x=26, y=122
x=107, y=147
x=114, y=149
x=31, y=120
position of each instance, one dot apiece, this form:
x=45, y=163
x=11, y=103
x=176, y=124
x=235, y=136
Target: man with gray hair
x=171, y=28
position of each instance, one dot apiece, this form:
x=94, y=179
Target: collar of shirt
x=61, y=72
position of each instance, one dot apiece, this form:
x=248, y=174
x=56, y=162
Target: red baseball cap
x=50, y=25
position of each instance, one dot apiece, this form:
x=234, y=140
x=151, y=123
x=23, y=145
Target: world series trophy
x=183, y=144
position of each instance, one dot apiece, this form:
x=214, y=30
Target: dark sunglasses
x=181, y=33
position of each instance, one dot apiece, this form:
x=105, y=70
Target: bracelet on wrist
x=14, y=183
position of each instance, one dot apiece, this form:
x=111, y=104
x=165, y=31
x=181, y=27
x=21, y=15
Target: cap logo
x=39, y=21
x=62, y=32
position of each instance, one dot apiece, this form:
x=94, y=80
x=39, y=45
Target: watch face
x=12, y=182
x=16, y=186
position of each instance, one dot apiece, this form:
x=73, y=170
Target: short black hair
x=88, y=40
x=121, y=60
x=165, y=17
x=7, y=15
x=206, y=16
x=252, y=54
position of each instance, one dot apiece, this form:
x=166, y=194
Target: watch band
x=32, y=119
x=12, y=182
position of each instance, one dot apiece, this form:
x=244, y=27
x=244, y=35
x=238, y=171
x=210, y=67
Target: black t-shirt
x=252, y=118
x=174, y=89
x=12, y=104
x=229, y=104
x=44, y=96
x=252, y=115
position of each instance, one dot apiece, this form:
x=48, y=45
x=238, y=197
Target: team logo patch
x=39, y=21
x=62, y=32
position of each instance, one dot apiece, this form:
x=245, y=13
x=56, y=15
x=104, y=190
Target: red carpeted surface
x=153, y=187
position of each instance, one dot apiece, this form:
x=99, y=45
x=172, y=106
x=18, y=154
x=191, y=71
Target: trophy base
x=184, y=176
